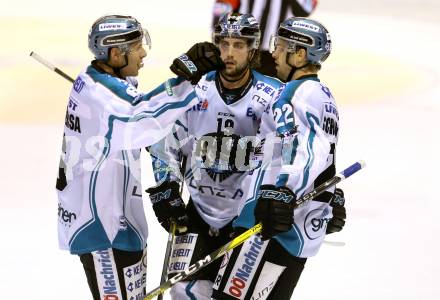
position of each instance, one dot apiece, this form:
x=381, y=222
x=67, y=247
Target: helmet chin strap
x=117, y=70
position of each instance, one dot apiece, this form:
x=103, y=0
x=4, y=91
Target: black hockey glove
x=199, y=60
x=274, y=210
x=337, y=222
x=168, y=205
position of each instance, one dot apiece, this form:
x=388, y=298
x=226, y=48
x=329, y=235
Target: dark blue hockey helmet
x=307, y=33
x=115, y=31
x=236, y=25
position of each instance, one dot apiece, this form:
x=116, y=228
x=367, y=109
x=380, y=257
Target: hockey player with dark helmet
x=118, y=44
x=305, y=123
x=217, y=137
x=300, y=43
x=240, y=26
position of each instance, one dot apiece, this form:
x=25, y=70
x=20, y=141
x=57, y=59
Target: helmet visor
x=127, y=38
x=281, y=44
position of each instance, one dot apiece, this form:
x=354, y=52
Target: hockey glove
x=168, y=205
x=337, y=222
x=274, y=210
x=199, y=60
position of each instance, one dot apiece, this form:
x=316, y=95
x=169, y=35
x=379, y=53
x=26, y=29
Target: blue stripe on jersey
x=148, y=114
x=286, y=97
x=92, y=232
x=188, y=290
x=283, y=178
x=91, y=236
x=165, y=107
x=128, y=239
x=189, y=174
x=210, y=76
x=311, y=119
x=246, y=219
x=173, y=82
x=181, y=125
x=274, y=82
x=292, y=241
x=116, y=85
x=121, y=87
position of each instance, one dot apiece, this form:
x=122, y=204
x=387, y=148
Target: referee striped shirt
x=271, y=13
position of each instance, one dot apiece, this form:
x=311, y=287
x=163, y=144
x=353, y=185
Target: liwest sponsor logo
x=305, y=25
x=112, y=26
x=109, y=285
x=245, y=268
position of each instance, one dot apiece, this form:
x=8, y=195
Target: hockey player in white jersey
x=100, y=211
x=300, y=131
x=217, y=137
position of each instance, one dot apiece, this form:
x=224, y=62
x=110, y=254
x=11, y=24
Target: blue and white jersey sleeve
x=131, y=119
x=305, y=146
x=99, y=185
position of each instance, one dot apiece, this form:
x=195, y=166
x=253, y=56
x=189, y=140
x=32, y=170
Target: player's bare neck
x=107, y=69
x=230, y=83
x=303, y=72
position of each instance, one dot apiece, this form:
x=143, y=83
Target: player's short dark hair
x=256, y=60
x=314, y=67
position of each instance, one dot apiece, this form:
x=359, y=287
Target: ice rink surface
x=384, y=73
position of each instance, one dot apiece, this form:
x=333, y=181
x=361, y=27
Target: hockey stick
x=166, y=260
x=172, y=232
x=50, y=66
x=247, y=234
x=334, y=243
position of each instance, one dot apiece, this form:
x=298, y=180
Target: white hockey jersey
x=99, y=192
x=300, y=131
x=217, y=139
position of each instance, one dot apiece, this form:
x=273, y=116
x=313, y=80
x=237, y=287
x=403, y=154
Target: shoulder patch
x=274, y=82
x=119, y=87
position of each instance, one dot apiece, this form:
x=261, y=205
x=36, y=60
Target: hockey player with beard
x=269, y=14
x=217, y=137
x=100, y=210
x=300, y=134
